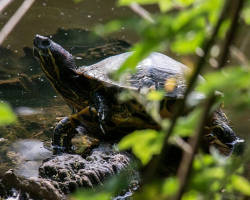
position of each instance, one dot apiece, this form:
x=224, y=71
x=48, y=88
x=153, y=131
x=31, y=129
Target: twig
x=9, y=26
x=187, y=158
x=245, y=41
x=236, y=8
x=183, y=144
x=239, y=55
x=4, y=4
x=141, y=12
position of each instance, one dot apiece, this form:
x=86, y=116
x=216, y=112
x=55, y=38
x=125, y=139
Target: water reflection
x=27, y=111
x=29, y=154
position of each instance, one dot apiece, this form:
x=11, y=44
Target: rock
x=63, y=174
x=36, y=188
x=72, y=171
x=2, y=140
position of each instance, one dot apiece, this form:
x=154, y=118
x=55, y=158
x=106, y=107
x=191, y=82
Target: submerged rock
x=63, y=174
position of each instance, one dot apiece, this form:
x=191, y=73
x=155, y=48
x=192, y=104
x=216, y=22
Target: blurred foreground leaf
x=234, y=82
x=241, y=184
x=186, y=125
x=170, y=186
x=140, y=51
x=246, y=13
x=6, y=114
x=155, y=95
x=91, y=195
x=144, y=144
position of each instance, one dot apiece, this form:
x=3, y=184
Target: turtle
x=94, y=97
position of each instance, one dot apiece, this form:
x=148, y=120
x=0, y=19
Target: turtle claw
x=102, y=121
x=102, y=129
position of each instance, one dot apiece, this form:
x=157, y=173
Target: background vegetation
x=206, y=29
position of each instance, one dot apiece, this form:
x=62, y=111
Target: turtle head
x=54, y=59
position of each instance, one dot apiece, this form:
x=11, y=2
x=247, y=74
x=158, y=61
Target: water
x=47, y=16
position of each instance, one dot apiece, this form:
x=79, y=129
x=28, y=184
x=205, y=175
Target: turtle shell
x=152, y=72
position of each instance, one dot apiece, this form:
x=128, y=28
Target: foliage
x=186, y=125
x=151, y=143
x=246, y=13
x=191, y=27
x=234, y=82
x=90, y=195
x=6, y=114
x=183, y=27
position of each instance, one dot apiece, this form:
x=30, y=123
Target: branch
x=4, y=4
x=237, y=7
x=9, y=26
x=141, y=12
x=187, y=158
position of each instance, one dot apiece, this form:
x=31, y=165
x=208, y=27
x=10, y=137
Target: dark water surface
x=36, y=104
x=46, y=16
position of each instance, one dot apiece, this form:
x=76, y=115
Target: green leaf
x=128, y=2
x=186, y=125
x=165, y=5
x=234, y=82
x=189, y=44
x=241, y=184
x=203, y=161
x=144, y=144
x=170, y=186
x=6, y=114
x=91, y=195
x=155, y=95
x=140, y=51
x=186, y=2
x=223, y=29
x=108, y=28
x=206, y=179
x=246, y=15
x=190, y=195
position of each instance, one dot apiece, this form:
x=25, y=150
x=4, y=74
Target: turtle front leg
x=64, y=127
x=103, y=110
x=68, y=127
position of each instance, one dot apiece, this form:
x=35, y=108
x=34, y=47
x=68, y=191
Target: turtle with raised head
x=93, y=95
